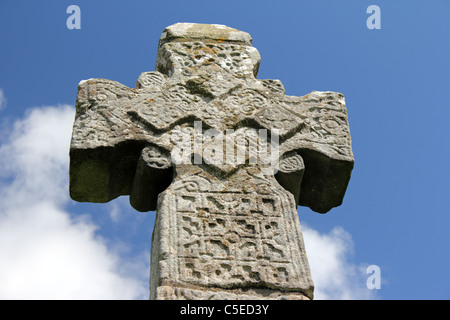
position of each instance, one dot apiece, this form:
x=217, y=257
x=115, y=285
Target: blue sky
x=395, y=81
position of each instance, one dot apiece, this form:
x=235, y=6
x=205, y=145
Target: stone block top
x=180, y=32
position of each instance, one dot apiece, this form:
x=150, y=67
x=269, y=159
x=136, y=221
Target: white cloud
x=119, y=209
x=44, y=252
x=335, y=276
x=2, y=99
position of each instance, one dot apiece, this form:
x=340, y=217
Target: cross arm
x=106, y=142
x=324, y=144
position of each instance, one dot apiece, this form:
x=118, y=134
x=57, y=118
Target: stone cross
x=223, y=158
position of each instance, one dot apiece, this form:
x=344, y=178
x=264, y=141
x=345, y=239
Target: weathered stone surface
x=171, y=292
x=223, y=157
x=205, y=33
x=239, y=233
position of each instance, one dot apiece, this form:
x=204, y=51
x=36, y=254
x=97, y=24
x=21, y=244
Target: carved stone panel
x=220, y=236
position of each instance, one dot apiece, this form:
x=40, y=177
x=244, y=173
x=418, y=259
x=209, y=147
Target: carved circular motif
x=331, y=123
x=291, y=164
x=159, y=163
x=102, y=97
x=150, y=79
x=154, y=158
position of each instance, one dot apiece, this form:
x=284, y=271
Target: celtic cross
x=224, y=159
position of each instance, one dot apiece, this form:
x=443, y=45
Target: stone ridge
x=180, y=32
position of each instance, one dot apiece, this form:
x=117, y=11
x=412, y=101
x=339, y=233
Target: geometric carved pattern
x=233, y=239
